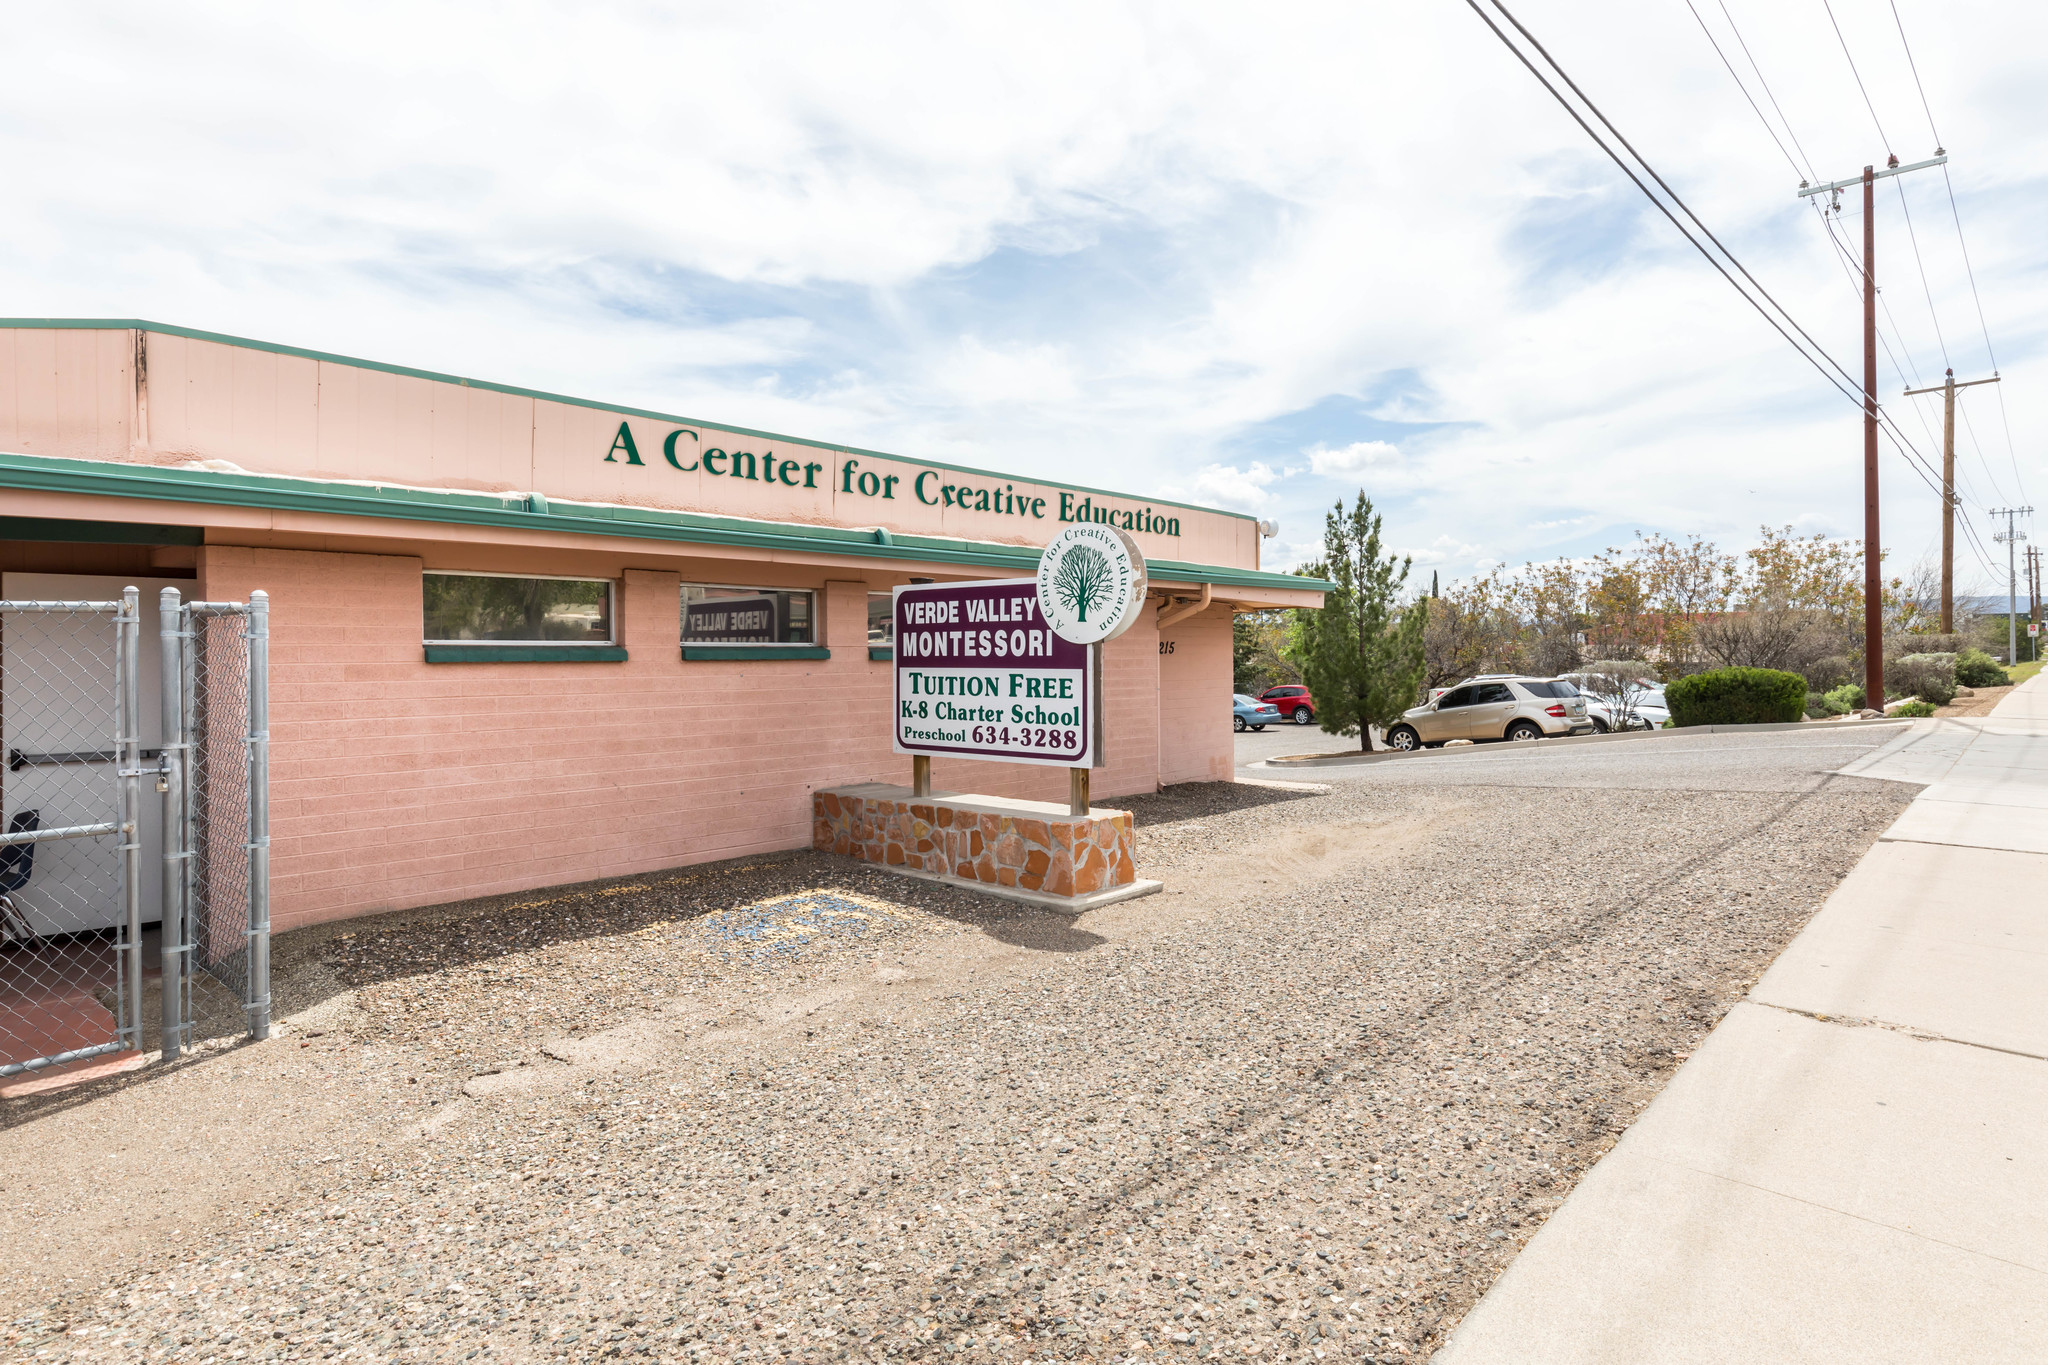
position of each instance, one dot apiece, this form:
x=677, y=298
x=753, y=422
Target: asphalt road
x=1768, y=760
x=1306, y=1103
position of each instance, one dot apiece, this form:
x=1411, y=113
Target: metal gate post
x=128, y=746
x=259, y=814
x=175, y=949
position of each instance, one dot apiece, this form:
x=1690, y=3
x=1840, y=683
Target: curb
x=1388, y=755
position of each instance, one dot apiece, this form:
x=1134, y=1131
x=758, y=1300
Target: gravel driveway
x=1305, y=1104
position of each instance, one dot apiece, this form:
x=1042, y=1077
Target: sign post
x=1091, y=587
x=1010, y=670
x=1004, y=671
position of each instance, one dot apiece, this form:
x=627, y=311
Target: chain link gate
x=75, y=894
x=70, y=793
x=216, y=786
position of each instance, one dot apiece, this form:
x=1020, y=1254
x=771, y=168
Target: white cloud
x=1223, y=485
x=1446, y=551
x=1355, y=458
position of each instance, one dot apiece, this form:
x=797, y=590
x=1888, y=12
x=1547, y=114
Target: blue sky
x=1256, y=259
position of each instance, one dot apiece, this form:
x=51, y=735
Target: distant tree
x=1083, y=579
x=1473, y=628
x=1258, y=640
x=1361, y=653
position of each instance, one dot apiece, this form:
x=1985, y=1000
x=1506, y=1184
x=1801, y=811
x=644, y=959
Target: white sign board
x=1091, y=583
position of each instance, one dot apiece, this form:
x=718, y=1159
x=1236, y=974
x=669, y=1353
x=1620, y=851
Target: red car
x=1294, y=702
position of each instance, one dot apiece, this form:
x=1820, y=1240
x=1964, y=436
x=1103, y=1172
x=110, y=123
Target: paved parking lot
x=1305, y=1104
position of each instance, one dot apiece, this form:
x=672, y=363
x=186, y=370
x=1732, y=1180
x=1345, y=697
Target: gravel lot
x=1305, y=1104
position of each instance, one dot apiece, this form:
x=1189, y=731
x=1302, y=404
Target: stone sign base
x=1031, y=851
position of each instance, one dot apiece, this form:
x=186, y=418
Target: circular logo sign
x=1091, y=583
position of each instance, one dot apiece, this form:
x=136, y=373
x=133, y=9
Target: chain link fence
x=87, y=860
x=217, y=846
x=70, y=832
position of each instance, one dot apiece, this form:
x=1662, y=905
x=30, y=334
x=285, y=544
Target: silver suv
x=1494, y=707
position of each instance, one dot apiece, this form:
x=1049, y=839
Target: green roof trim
x=750, y=653
x=525, y=654
x=107, y=478
x=143, y=325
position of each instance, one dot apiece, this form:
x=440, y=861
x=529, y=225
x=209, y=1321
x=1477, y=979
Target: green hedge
x=1737, y=696
x=1975, y=668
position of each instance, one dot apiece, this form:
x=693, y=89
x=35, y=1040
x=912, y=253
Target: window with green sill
x=508, y=609
x=721, y=615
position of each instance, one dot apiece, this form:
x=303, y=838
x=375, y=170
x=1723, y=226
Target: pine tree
x=1361, y=653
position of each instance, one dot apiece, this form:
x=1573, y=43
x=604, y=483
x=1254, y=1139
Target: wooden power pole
x=2034, y=595
x=1947, y=390
x=1873, y=553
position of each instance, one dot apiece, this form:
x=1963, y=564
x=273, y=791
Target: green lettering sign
x=623, y=441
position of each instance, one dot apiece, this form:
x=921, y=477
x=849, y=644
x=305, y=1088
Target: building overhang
x=109, y=491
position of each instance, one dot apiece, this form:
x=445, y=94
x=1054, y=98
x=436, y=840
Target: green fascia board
x=98, y=532
x=525, y=654
x=108, y=478
x=142, y=325
x=727, y=653
x=882, y=653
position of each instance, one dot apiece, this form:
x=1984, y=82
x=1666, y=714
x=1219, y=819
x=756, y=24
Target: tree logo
x=1082, y=581
x=1091, y=583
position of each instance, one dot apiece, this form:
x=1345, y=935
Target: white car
x=1646, y=708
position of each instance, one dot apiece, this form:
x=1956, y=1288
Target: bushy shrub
x=1737, y=696
x=1817, y=706
x=1830, y=671
x=1844, y=699
x=1913, y=708
x=1930, y=677
x=1975, y=668
x=1897, y=647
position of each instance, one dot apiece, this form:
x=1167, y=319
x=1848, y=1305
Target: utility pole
x=1873, y=556
x=1948, y=491
x=2034, y=596
x=2011, y=535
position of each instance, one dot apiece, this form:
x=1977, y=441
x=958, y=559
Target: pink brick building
x=521, y=639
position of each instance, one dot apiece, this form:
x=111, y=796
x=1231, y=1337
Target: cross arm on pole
x=1938, y=388
x=1833, y=185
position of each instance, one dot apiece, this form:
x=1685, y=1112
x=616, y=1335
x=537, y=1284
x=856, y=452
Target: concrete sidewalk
x=1850, y=1167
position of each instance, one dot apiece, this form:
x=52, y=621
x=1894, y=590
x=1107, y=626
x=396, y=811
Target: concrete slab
x=2011, y=787
x=1972, y=825
x=1859, y=1181
x=1781, y=1201
x=1929, y=938
x=1651, y=1264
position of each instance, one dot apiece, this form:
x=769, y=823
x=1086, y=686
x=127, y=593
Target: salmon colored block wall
x=1195, y=738
x=397, y=783
x=67, y=393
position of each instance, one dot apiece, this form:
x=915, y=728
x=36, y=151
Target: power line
x=1736, y=29
x=1897, y=437
x=1745, y=92
x=1977, y=447
x=1858, y=75
x=1941, y=342
x=1615, y=157
x=1813, y=356
x=2011, y=450
x=1915, y=67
